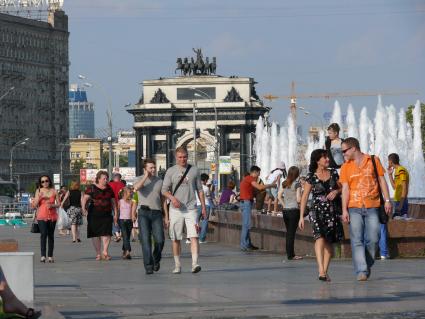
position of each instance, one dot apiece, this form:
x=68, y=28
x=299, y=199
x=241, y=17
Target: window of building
x=77, y=154
x=190, y=94
x=160, y=147
x=233, y=146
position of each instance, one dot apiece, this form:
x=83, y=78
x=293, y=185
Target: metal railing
x=16, y=210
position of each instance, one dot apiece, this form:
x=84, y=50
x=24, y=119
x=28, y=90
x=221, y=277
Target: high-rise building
x=81, y=113
x=34, y=68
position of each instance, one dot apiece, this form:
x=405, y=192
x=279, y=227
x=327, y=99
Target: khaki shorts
x=180, y=218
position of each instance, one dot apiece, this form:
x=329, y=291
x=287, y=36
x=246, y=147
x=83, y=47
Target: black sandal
x=32, y=314
x=324, y=278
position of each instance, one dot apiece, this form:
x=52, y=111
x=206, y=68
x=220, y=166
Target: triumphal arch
x=218, y=112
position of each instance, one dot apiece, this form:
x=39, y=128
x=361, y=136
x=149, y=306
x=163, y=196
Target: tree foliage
x=77, y=165
x=409, y=118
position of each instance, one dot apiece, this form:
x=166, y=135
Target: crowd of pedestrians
x=342, y=185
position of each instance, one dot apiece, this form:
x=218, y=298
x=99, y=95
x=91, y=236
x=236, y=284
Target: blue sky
x=324, y=46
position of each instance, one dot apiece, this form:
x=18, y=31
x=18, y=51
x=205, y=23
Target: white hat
x=282, y=165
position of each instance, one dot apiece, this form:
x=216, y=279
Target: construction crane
x=293, y=97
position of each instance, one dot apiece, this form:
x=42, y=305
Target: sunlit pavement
x=231, y=284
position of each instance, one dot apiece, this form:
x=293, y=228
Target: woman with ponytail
x=325, y=210
x=290, y=197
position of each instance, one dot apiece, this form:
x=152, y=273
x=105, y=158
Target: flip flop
x=98, y=257
x=106, y=257
x=297, y=258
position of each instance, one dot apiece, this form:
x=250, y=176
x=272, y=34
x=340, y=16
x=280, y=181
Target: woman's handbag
x=35, y=229
x=383, y=217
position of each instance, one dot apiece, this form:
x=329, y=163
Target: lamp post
x=204, y=95
x=194, y=132
x=109, y=116
x=21, y=142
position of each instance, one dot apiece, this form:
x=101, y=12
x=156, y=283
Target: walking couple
x=360, y=185
x=181, y=184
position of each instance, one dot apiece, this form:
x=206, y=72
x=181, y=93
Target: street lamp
x=21, y=142
x=202, y=94
x=108, y=115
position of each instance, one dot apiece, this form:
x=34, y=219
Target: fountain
x=387, y=133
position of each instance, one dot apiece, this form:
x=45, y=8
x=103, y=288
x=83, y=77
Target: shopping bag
x=64, y=222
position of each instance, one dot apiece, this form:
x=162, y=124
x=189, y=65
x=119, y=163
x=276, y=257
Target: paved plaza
x=231, y=284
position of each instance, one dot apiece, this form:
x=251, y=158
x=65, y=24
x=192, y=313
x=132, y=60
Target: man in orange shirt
x=246, y=196
x=360, y=204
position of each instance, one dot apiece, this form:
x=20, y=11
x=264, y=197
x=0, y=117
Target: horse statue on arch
x=213, y=66
x=180, y=66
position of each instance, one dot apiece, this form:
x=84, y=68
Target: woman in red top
x=99, y=217
x=47, y=201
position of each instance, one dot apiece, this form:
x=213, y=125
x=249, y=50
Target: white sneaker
x=187, y=241
x=398, y=218
x=195, y=269
x=177, y=270
x=202, y=241
x=384, y=257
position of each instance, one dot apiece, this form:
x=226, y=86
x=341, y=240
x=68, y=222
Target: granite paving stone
x=232, y=284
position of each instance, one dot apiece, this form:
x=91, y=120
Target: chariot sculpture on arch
x=188, y=66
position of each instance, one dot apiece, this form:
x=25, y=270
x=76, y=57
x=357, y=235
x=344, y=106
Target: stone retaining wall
x=407, y=238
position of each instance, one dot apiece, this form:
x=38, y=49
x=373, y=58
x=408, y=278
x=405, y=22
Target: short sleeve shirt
x=116, y=188
x=190, y=185
x=401, y=175
x=101, y=197
x=362, y=182
x=247, y=190
x=150, y=194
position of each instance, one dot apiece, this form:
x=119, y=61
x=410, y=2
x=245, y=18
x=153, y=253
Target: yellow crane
x=294, y=96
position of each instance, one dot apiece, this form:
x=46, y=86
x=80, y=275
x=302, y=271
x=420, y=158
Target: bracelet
x=387, y=200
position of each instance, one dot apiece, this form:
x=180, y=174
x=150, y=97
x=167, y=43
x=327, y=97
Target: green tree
x=409, y=118
x=123, y=161
x=77, y=165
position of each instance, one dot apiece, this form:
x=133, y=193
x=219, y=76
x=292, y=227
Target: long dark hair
x=315, y=156
x=293, y=174
x=41, y=185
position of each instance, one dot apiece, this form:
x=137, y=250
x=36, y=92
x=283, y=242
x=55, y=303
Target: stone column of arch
x=139, y=152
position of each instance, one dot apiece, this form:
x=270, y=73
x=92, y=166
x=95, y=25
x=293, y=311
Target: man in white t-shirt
x=275, y=177
x=208, y=204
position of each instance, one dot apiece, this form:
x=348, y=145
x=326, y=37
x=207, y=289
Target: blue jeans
x=364, y=234
x=204, y=222
x=383, y=239
x=404, y=210
x=150, y=225
x=246, y=207
x=126, y=226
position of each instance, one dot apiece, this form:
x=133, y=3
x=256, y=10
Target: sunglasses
x=346, y=150
x=45, y=181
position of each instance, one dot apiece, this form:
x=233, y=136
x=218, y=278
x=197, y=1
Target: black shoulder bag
x=179, y=183
x=182, y=179
x=383, y=217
